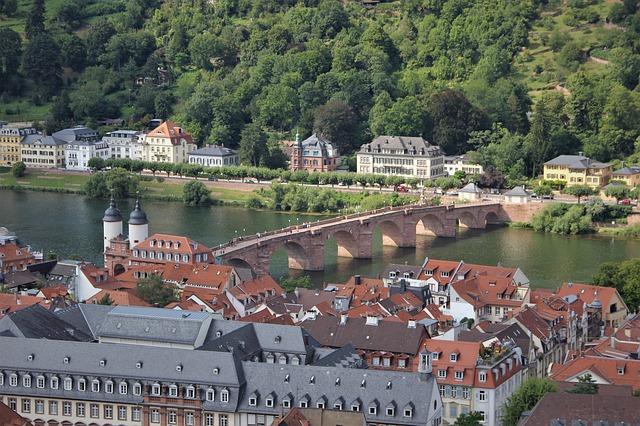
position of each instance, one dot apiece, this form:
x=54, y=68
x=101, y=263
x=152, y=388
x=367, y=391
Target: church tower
x=138, y=225
x=112, y=223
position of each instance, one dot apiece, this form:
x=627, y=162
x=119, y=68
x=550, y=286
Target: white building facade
x=124, y=144
x=40, y=151
x=214, y=156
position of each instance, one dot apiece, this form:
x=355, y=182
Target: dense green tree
x=97, y=38
x=290, y=284
x=624, y=276
x=336, y=121
x=117, y=182
x=41, y=63
x=34, y=24
x=156, y=292
x=525, y=398
x=69, y=13
x=253, y=144
x=18, y=169
x=617, y=191
x=470, y=419
x=73, y=51
x=105, y=300
x=195, y=193
x=96, y=163
x=586, y=385
x=10, y=80
x=579, y=191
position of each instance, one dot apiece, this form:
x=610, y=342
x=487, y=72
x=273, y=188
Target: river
x=71, y=225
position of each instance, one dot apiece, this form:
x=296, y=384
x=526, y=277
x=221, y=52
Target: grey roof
x=123, y=132
x=324, y=147
x=214, y=151
x=152, y=324
x=36, y=322
x=42, y=140
x=632, y=170
x=112, y=213
x=576, y=162
x=470, y=188
x=346, y=356
x=517, y=191
x=330, y=385
x=87, y=318
x=242, y=342
x=138, y=216
x=76, y=135
x=63, y=270
x=411, y=145
x=400, y=269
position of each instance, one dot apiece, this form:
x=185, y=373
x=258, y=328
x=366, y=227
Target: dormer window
x=253, y=401
x=269, y=402
x=286, y=403
x=137, y=389
x=391, y=411
x=459, y=375
x=373, y=410
x=123, y=388
x=155, y=389
x=442, y=373
x=68, y=383
x=13, y=380
x=39, y=382
x=453, y=357
x=82, y=385
x=173, y=391
x=224, y=396
x=621, y=371
x=26, y=381
x=392, y=274
x=191, y=392
x=444, y=274
x=482, y=376
x=210, y=396
x=108, y=387
x=429, y=272
x=406, y=275
x=54, y=382
x=408, y=412
x=435, y=356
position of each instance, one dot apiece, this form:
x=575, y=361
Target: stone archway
x=118, y=269
x=467, y=220
x=347, y=244
x=391, y=233
x=491, y=218
x=297, y=255
x=430, y=224
x=239, y=263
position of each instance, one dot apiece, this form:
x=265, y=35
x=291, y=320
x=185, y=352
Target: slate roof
x=386, y=336
x=78, y=135
x=628, y=171
x=42, y=140
x=576, y=162
x=324, y=147
x=470, y=188
x=214, y=151
x=36, y=322
x=346, y=356
x=86, y=318
x=517, y=191
x=410, y=145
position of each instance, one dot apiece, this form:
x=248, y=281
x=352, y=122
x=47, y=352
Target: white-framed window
x=402, y=363
x=155, y=389
x=391, y=411
x=373, y=410
x=376, y=360
x=191, y=392
x=210, y=394
x=137, y=389
x=80, y=409
x=482, y=395
x=82, y=385
x=39, y=406
x=269, y=401
x=453, y=357
x=435, y=356
x=304, y=403
x=188, y=418
x=208, y=420
x=172, y=417
x=40, y=382
x=26, y=381
x=286, y=403
x=482, y=416
x=408, y=412
x=173, y=391
x=26, y=405
x=66, y=408
x=122, y=412
x=337, y=406
x=123, y=388
x=94, y=411
x=108, y=411
x=135, y=414
x=253, y=401
x=1, y=379
x=320, y=404
x=465, y=393
x=482, y=376
x=442, y=373
x=68, y=383
x=53, y=408
x=154, y=416
x=54, y=382
x=459, y=375
x=224, y=396
x=108, y=386
x=223, y=420
x=13, y=380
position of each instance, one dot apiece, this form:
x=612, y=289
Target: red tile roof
x=467, y=358
x=119, y=298
x=11, y=252
x=15, y=302
x=174, y=244
x=588, y=293
x=170, y=130
x=485, y=290
x=606, y=368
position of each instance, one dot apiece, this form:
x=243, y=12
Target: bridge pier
x=354, y=244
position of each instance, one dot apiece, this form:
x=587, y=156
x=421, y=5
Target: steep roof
x=410, y=145
x=466, y=353
x=471, y=188
x=42, y=140
x=14, y=302
x=170, y=130
x=588, y=293
x=576, y=162
x=628, y=171
x=36, y=322
x=606, y=368
x=119, y=298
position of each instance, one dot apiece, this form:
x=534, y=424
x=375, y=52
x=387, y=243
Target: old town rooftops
x=172, y=243
x=588, y=293
x=610, y=370
x=576, y=162
x=171, y=131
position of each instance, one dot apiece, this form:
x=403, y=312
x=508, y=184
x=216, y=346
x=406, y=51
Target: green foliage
x=96, y=163
x=18, y=169
x=624, y=276
x=289, y=284
x=525, y=398
x=195, y=193
x=105, y=300
x=586, y=385
x=117, y=182
x=560, y=218
x=155, y=292
x=618, y=192
x=543, y=190
x=579, y=191
x=41, y=63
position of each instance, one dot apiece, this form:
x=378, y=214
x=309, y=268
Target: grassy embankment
x=42, y=180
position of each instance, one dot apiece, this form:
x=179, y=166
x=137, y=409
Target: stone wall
x=521, y=212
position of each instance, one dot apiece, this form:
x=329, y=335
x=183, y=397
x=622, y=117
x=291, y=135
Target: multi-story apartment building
x=167, y=143
x=14, y=257
x=11, y=135
x=214, y=156
x=314, y=154
x=461, y=163
x=40, y=151
x=472, y=378
x=629, y=175
x=578, y=170
x=124, y=144
x=402, y=156
x=606, y=299
x=82, y=144
x=149, y=373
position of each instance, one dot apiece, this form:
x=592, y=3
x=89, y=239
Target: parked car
x=625, y=202
x=401, y=188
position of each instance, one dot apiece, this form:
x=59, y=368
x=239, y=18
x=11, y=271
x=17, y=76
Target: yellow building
x=10, y=137
x=629, y=175
x=40, y=151
x=167, y=143
x=578, y=170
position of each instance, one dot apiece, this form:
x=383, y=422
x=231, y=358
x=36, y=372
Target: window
x=26, y=405
x=108, y=411
x=286, y=403
x=435, y=356
x=269, y=401
x=13, y=380
x=402, y=363
x=191, y=392
x=68, y=383
x=320, y=404
x=408, y=412
x=459, y=375
x=53, y=408
x=39, y=406
x=253, y=401
x=223, y=420
x=442, y=373
x=40, y=382
x=155, y=389
x=355, y=407
x=210, y=394
x=137, y=389
x=13, y=404
x=304, y=403
x=482, y=416
x=123, y=388
x=80, y=409
x=26, y=381
x=108, y=387
x=66, y=408
x=122, y=412
x=155, y=416
x=94, y=411
x=376, y=360
x=373, y=410
x=224, y=396
x=465, y=393
x=337, y=406
x=453, y=357
x=135, y=414
x=482, y=395
x=95, y=385
x=208, y=420
x=391, y=411
x=482, y=376
x=188, y=419
x=82, y=385
x=173, y=391
x=172, y=417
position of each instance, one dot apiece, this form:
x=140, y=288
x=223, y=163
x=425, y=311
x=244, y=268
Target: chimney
x=411, y=323
x=357, y=279
x=580, y=153
x=372, y=320
x=343, y=319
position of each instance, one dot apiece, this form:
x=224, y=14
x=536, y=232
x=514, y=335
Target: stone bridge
x=353, y=233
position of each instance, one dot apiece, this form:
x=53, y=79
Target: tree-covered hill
x=516, y=81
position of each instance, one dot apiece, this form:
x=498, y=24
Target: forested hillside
x=516, y=81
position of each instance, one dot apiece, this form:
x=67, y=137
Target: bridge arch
x=492, y=218
x=238, y=262
x=430, y=224
x=391, y=233
x=346, y=242
x=297, y=255
x=467, y=220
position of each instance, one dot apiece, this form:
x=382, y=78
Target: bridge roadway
x=305, y=243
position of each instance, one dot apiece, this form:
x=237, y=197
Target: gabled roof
x=170, y=130
x=36, y=322
x=119, y=298
x=576, y=162
x=531, y=320
x=517, y=191
x=471, y=187
x=588, y=293
x=607, y=368
x=42, y=140
x=628, y=171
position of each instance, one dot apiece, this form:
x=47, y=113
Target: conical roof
x=138, y=216
x=112, y=214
